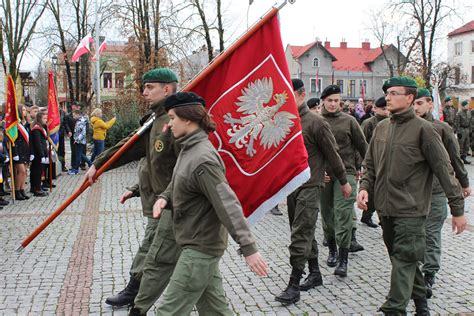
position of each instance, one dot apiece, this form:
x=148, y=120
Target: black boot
x=135, y=312
x=126, y=296
x=332, y=257
x=27, y=197
x=429, y=281
x=421, y=306
x=355, y=246
x=341, y=269
x=464, y=159
x=292, y=292
x=314, y=278
x=367, y=219
x=19, y=196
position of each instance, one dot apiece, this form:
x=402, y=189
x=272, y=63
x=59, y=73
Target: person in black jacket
x=63, y=131
x=70, y=126
x=21, y=156
x=40, y=151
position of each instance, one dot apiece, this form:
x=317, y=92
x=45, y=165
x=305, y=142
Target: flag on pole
x=437, y=110
x=102, y=48
x=317, y=88
x=11, y=111
x=82, y=48
x=54, y=119
x=249, y=94
x=362, y=88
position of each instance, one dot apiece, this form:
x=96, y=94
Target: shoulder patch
x=159, y=145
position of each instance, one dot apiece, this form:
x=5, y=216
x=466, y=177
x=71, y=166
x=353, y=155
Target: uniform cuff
x=248, y=250
x=457, y=212
x=343, y=181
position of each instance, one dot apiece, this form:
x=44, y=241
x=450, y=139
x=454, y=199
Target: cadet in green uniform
x=404, y=153
x=337, y=210
x=439, y=210
x=158, y=146
x=368, y=127
x=304, y=203
x=205, y=211
x=463, y=129
x=471, y=138
x=449, y=112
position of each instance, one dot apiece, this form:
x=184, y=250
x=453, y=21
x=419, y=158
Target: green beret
x=164, y=75
x=465, y=102
x=399, y=82
x=182, y=99
x=297, y=84
x=447, y=99
x=423, y=92
x=331, y=89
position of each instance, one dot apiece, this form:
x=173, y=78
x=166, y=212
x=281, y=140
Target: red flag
x=54, y=119
x=258, y=135
x=11, y=111
x=82, y=48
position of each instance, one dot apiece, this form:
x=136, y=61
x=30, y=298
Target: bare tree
x=20, y=18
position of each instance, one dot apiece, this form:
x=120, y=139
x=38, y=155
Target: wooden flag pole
x=12, y=172
x=50, y=169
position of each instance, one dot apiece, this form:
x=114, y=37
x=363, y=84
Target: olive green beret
x=423, y=92
x=399, y=82
x=183, y=98
x=465, y=102
x=164, y=75
x=447, y=99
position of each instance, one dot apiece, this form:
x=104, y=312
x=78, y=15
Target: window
x=352, y=88
x=107, y=80
x=458, y=49
x=316, y=62
x=472, y=74
x=363, y=87
x=472, y=46
x=315, y=89
x=340, y=83
x=119, y=79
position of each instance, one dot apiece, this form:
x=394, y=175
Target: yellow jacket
x=100, y=127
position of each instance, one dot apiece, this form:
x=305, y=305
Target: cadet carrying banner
x=54, y=119
x=248, y=92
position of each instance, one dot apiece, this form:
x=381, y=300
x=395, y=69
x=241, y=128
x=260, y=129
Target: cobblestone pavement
x=85, y=255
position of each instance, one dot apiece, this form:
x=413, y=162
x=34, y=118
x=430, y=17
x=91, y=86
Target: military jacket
x=349, y=138
x=404, y=153
x=452, y=147
x=368, y=126
x=449, y=114
x=143, y=189
x=159, y=147
x=321, y=147
x=205, y=209
x=463, y=121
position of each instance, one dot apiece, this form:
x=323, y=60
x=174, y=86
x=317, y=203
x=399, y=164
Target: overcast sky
x=306, y=20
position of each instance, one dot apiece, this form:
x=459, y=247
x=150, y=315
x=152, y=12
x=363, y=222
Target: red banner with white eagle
x=249, y=94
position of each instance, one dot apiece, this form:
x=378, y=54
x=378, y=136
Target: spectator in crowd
x=70, y=126
x=21, y=155
x=368, y=112
x=63, y=131
x=80, y=141
x=39, y=147
x=100, y=131
x=359, y=110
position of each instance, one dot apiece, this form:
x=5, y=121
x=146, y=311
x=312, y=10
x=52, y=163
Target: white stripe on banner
x=291, y=186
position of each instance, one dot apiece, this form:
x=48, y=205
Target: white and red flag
x=82, y=48
x=102, y=48
x=249, y=94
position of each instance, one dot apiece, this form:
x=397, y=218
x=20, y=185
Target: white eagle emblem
x=259, y=121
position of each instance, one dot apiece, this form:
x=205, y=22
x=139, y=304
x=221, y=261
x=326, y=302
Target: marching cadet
x=304, y=203
x=449, y=112
x=314, y=105
x=337, y=210
x=205, y=212
x=471, y=138
x=404, y=153
x=368, y=127
x=439, y=211
x=463, y=129
x=161, y=151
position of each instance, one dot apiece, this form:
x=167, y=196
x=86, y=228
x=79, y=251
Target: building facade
x=461, y=56
x=359, y=72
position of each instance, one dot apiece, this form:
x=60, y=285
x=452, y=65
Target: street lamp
x=54, y=60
